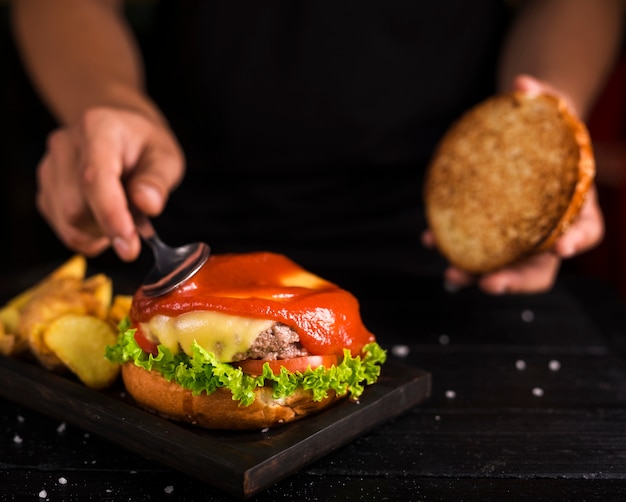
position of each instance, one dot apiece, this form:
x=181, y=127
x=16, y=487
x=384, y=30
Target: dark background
x=27, y=241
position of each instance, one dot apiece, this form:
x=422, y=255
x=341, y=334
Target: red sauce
x=326, y=318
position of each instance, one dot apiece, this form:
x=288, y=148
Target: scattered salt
x=444, y=339
x=17, y=439
x=538, y=391
x=437, y=418
x=43, y=494
x=61, y=428
x=168, y=489
x=528, y=315
x=400, y=350
x=62, y=481
x=20, y=419
x=520, y=364
x=450, y=394
x=554, y=365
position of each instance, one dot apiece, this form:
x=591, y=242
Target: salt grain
x=400, y=350
x=17, y=439
x=538, y=391
x=61, y=428
x=168, y=489
x=43, y=494
x=20, y=419
x=520, y=364
x=554, y=365
x=450, y=394
x=444, y=339
x=62, y=481
x=528, y=315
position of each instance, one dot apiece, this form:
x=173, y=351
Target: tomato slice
x=146, y=345
x=255, y=366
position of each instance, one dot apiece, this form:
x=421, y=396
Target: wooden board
x=240, y=463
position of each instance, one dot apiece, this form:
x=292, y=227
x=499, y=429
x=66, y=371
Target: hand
x=93, y=168
x=538, y=272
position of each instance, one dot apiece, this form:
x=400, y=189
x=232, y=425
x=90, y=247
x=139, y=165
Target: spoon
x=172, y=266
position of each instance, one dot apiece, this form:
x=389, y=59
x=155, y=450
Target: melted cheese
x=223, y=334
x=262, y=285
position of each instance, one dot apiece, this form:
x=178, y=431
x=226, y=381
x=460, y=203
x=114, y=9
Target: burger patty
x=277, y=342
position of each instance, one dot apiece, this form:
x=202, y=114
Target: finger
x=533, y=86
x=428, y=239
x=102, y=141
x=534, y=275
x=586, y=232
x=157, y=172
x=59, y=201
x=455, y=279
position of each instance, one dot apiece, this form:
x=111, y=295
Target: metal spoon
x=172, y=266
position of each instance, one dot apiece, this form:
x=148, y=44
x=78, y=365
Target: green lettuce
x=202, y=372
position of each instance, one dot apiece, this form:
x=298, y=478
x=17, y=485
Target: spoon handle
x=144, y=226
x=149, y=235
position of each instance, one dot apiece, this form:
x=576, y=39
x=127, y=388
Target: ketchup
x=257, y=285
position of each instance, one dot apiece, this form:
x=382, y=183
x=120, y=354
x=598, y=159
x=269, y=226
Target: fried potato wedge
x=66, y=321
x=10, y=318
x=54, y=299
x=80, y=341
x=97, y=294
x=120, y=308
x=7, y=342
x=75, y=267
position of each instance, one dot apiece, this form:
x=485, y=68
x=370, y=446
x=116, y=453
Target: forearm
x=571, y=44
x=80, y=54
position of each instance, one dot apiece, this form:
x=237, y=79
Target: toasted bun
x=506, y=180
x=217, y=410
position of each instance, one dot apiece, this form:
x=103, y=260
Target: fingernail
x=151, y=195
x=451, y=287
x=121, y=247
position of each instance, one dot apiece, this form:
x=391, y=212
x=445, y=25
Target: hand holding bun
x=507, y=180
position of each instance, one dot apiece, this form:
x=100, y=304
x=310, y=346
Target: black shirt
x=307, y=125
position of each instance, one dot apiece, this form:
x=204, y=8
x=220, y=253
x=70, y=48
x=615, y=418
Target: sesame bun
x=506, y=180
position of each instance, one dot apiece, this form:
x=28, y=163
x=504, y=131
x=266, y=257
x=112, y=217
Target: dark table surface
x=528, y=402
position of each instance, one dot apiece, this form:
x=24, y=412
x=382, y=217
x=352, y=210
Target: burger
x=506, y=180
x=252, y=340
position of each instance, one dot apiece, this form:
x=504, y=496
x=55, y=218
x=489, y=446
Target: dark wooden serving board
x=240, y=463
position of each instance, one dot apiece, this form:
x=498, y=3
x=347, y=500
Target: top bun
x=506, y=180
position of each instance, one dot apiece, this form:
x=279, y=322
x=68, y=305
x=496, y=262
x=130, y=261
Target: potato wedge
x=7, y=342
x=98, y=294
x=80, y=342
x=75, y=267
x=10, y=318
x=50, y=301
x=120, y=308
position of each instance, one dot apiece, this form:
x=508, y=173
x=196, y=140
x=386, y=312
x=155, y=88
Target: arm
x=80, y=54
x=571, y=44
x=86, y=66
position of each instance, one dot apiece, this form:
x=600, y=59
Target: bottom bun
x=218, y=410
